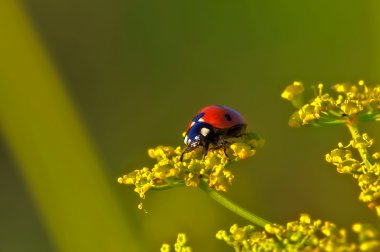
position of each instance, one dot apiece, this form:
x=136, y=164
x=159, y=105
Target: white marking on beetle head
x=201, y=120
x=205, y=131
x=185, y=140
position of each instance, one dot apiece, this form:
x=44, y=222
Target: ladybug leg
x=222, y=144
x=225, y=151
x=181, y=158
x=205, y=149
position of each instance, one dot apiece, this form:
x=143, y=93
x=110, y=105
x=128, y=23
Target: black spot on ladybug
x=228, y=117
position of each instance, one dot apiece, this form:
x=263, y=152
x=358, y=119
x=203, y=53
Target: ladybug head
x=197, y=136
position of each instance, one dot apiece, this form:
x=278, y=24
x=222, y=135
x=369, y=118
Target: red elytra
x=218, y=116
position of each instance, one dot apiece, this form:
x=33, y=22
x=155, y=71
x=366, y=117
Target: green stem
x=369, y=117
x=168, y=186
x=232, y=206
x=362, y=151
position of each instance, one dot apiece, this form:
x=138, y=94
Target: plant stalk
x=232, y=206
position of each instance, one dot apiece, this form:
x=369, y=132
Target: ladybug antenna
x=188, y=149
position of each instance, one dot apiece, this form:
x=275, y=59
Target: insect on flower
x=213, y=125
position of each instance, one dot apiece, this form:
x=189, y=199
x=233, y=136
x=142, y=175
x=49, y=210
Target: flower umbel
x=350, y=102
x=350, y=105
x=365, y=171
x=305, y=234
x=169, y=171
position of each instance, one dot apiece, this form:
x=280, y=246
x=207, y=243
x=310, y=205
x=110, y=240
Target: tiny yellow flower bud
x=305, y=218
x=140, y=206
x=151, y=153
x=238, y=234
x=221, y=234
x=340, y=88
x=233, y=228
x=376, y=155
x=357, y=227
x=370, y=246
x=320, y=89
x=181, y=239
x=165, y=248
x=292, y=91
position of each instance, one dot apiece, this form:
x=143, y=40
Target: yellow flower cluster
x=179, y=246
x=350, y=105
x=351, y=102
x=169, y=171
x=366, y=172
x=303, y=235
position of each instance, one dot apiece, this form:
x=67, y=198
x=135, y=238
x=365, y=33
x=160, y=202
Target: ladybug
x=213, y=125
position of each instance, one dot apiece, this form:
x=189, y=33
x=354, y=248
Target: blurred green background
x=86, y=87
